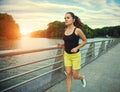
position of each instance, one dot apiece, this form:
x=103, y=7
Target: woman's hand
x=74, y=50
x=60, y=45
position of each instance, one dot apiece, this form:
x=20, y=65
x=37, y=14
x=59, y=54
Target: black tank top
x=70, y=41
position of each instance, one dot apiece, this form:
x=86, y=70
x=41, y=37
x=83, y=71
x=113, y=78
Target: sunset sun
x=25, y=31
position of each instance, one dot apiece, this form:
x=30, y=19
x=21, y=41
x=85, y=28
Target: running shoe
x=83, y=82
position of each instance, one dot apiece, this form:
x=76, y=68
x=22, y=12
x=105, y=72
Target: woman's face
x=69, y=19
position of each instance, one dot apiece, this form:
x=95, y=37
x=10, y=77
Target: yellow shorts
x=73, y=60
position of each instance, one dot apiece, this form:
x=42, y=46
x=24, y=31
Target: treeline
x=113, y=31
x=56, y=30
x=9, y=29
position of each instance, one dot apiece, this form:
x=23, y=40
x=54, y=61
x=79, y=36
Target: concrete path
x=102, y=75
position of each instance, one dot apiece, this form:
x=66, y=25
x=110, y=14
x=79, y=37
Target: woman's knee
x=69, y=74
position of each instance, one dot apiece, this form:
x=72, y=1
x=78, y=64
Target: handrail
x=98, y=41
x=25, y=51
x=87, y=48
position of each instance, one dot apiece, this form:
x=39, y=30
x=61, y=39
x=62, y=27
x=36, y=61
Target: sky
x=32, y=15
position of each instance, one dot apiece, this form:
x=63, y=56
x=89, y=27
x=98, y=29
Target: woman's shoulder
x=78, y=30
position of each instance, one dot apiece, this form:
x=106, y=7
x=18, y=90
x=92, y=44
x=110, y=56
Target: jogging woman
x=72, y=56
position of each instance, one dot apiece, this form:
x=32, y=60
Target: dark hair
x=77, y=22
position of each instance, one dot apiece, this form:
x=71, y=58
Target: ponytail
x=77, y=22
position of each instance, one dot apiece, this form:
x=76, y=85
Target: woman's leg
x=69, y=78
x=76, y=75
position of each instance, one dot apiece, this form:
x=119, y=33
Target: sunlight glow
x=25, y=31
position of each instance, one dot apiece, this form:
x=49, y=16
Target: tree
x=8, y=28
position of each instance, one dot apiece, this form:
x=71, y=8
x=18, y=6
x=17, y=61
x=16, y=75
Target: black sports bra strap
x=74, y=29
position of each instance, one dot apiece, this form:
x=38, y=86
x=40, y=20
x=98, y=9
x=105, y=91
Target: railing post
x=115, y=42
x=112, y=43
x=108, y=45
x=90, y=53
x=102, y=48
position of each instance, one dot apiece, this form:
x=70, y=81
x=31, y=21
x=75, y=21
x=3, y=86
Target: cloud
x=105, y=13
x=37, y=10
x=38, y=14
x=90, y=3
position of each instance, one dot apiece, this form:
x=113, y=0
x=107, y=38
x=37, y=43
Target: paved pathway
x=102, y=75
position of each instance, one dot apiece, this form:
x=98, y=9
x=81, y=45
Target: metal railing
x=54, y=73
x=96, y=49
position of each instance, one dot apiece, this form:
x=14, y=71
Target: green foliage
x=88, y=31
x=8, y=28
x=108, y=31
x=55, y=29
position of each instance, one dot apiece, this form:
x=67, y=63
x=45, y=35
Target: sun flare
x=25, y=31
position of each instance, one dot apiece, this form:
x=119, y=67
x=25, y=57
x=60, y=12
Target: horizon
x=33, y=15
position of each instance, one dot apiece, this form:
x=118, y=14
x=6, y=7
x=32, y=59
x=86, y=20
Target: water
x=29, y=43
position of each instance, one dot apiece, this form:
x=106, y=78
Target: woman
x=72, y=55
